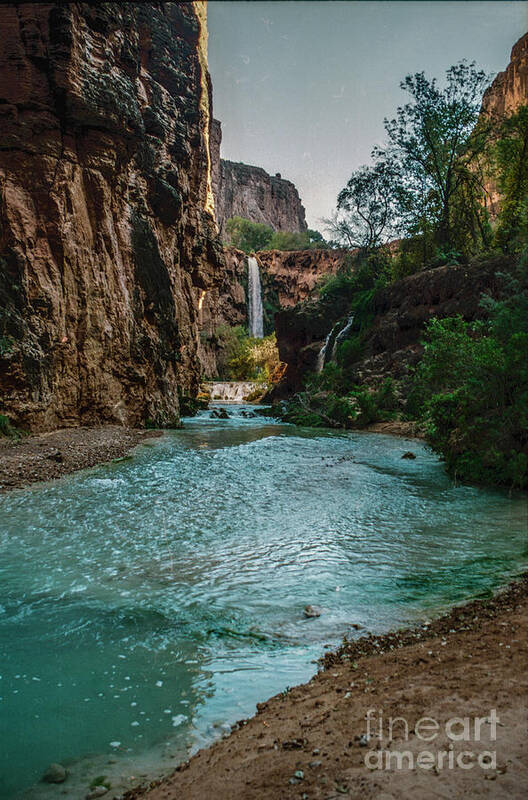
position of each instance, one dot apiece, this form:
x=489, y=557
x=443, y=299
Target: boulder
x=55, y=773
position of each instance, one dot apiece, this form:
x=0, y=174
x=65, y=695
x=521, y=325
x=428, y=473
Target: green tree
x=289, y=240
x=365, y=208
x=247, y=235
x=472, y=388
x=512, y=172
x=316, y=239
x=435, y=148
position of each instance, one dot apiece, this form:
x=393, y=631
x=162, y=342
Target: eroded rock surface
x=401, y=310
x=105, y=240
x=506, y=94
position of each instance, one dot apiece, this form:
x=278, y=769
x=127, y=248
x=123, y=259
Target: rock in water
x=97, y=791
x=219, y=413
x=312, y=611
x=408, y=454
x=55, y=773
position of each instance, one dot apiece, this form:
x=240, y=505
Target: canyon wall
x=502, y=98
x=245, y=191
x=107, y=239
x=509, y=90
x=293, y=275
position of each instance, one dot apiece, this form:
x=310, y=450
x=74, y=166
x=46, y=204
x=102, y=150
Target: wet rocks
x=409, y=455
x=55, y=773
x=219, y=413
x=310, y=612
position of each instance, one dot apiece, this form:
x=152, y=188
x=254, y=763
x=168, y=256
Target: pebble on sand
x=55, y=773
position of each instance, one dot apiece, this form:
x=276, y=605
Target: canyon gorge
x=228, y=470
x=114, y=279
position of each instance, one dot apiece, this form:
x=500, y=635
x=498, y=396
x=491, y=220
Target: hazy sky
x=302, y=88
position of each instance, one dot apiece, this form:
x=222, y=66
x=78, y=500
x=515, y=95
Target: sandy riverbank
x=306, y=744
x=46, y=456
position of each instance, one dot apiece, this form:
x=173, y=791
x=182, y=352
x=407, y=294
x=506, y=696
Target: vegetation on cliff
x=244, y=358
x=254, y=236
x=428, y=184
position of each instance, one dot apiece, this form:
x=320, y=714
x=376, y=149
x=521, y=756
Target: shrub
x=471, y=388
x=247, y=235
x=8, y=429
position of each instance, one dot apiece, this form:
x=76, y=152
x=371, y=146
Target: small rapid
x=146, y=605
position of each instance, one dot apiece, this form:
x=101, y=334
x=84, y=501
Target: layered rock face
x=106, y=238
x=245, y=191
x=294, y=275
x=509, y=90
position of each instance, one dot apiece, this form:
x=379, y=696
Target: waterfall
x=231, y=391
x=342, y=335
x=321, y=358
x=335, y=337
x=255, y=314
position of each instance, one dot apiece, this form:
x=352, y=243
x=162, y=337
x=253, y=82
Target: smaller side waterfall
x=255, y=312
x=337, y=335
x=342, y=335
x=321, y=358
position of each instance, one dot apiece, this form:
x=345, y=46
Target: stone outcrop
x=509, y=90
x=106, y=237
x=393, y=341
x=245, y=191
x=503, y=97
x=223, y=305
x=294, y=275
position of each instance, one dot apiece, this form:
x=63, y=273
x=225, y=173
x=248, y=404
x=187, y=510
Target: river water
x=147, y=603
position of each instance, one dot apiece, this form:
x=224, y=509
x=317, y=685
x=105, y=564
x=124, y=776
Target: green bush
x=357, y=408
x=247, y=235
x=254, y=236
x=471, y=388
x=8, y=429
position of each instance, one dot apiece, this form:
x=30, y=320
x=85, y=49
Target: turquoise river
x=146, y=605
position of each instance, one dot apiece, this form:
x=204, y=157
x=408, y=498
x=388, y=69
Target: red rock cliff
x=509, y=90
x=105, y=240
x=506, y=94
x=246, y=191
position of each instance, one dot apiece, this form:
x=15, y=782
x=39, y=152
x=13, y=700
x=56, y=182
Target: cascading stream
x=255, y=312
x=321, y=358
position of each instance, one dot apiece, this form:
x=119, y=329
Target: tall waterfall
x=255, y=313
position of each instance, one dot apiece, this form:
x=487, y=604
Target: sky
x=302, y=87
